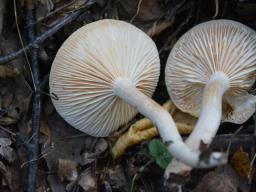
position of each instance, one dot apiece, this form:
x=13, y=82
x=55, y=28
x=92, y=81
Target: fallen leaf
x=87, y=181
x=6, y=151
x=45, y=133
x=145, y=10
x=67, y=170
x=240, y=161
x=5, y=174
x=222, y=179
x=65, y=143
x=101, y=146
x=7, y=72
x=117, y=179
x=88, y=156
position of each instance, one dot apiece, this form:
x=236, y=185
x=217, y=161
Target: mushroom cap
x=218, y=45
x=86, y=66
x=239, y=109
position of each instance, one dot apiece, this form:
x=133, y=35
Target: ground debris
x=67, y=170
x=70, y=160
x=7, y=72
x=87, y=181
x=222, y=179
x=6, y=151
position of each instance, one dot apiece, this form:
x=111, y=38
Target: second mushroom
x=212, y=64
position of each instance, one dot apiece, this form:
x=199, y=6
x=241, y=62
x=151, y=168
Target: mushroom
x=106, y=71
x=211, y=65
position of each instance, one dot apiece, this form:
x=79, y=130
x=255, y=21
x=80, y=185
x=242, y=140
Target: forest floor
x=59, y=158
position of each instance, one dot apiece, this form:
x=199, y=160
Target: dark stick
x=51, y=13
x=41, y=38
x=247, y=142
x=36, y=107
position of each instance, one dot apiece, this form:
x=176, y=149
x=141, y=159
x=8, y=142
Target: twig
x=250, y=173
x=137, y=12
x=141, y=170
x=51, y=13
x=41, y=156
x=252, y=167
x=216, y=8
x=174, y=9
x=67, y=19
x=36, y=107
x=232, y=137
x=8, y=131
x=44, y=81
x=21, y=41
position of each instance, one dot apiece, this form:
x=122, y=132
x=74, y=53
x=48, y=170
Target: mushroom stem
x=125, y=89
x=210, y=115
x=208, y=122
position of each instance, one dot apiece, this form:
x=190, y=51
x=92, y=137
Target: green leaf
x=159, y=153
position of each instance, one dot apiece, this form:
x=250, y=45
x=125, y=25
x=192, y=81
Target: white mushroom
x=101, y=71
x=211, y=64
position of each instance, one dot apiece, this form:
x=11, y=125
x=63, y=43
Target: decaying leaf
x=145, y=14
x=67, y=170
x=6, y=174
x=66, y=143
x=88, y=157
x=117, y=178
x=45, y=133
x=241, y=163
x=87, y=181
x=101, y=146
x=7, y=72
x=222, y=179
x=6, y=151
x=145, y=10
x=7, y=121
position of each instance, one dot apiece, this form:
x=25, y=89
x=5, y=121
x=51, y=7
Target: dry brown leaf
x=65, y=143
x=7, y=121
x=45, y=133
x=4, y=171
x=67, y=170
x=117, y=178
x=88, y=157
x=145, y=10
x=222, y=179
x=7, y=72
x=76, y=5
x=7, y=100
x=157, y=27
x=87, y=181
x=241, y=163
